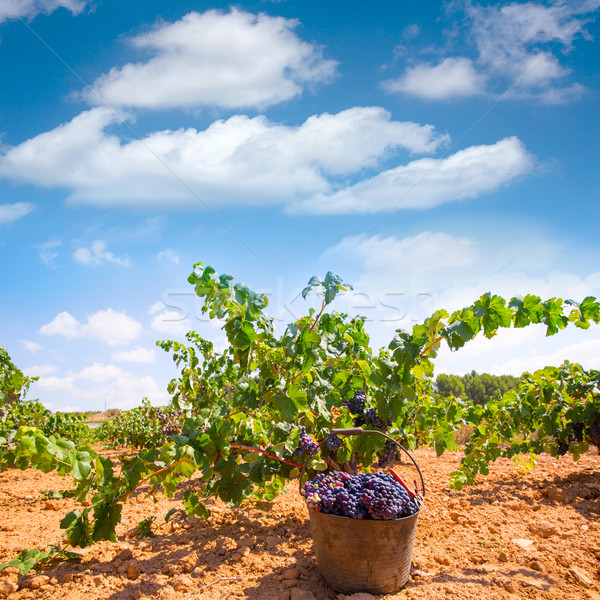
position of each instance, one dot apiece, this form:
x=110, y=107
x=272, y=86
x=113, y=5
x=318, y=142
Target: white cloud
x=18, y=9
x=429, y=182
x=13, y=212
x=169, y=256
x=136, y=355
x=401, y=281
x=47, y=253
x=195, y=63
x=451, y=78
x=171, y=323
x=97, y=254
x=100, y=383
x=517, y=45
x=422, y=253
x=240, y=160
x=30, y=346
x=40, y=370
x=110, y=326
x=64, y=324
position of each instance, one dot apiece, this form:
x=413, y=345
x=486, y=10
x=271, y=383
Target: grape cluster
x=356, y=404
x=171, y=421
x=334, y=442
x=363, y=496
x=373, y=420
x=576, y=436
x=306, y=445
x=388, y=456
x=368, y=416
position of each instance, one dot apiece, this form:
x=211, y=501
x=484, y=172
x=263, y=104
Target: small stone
x=299, y=594
x=360, y=596
x=245, y=543
x=98, y=581
x=7, y=587
x=503, y=557
x=183, y=583
x=515, y=505
x=581, y=576
x=51, y=505
x=124, y=555
x=10, y=571
x=443, y=560
x=66, y=578
x=272, y=541
x=133, y=571
x=38, y=581
x=236, y=556
x=510, y=587
x=166, y=593
x=291, y=574
x=536, y=566
x=289, y=583
x=525, y=544
x=543, y=528
x=455, y=516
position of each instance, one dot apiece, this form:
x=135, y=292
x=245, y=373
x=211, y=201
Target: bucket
x=364, y=555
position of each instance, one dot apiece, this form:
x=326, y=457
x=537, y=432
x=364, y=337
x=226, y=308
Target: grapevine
x=240, y=416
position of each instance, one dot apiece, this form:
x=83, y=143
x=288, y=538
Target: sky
x=427, y=152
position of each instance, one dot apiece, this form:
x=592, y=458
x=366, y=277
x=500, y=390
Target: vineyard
x=200, y=499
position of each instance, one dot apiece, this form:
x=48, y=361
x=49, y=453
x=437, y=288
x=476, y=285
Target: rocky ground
x=534, y=535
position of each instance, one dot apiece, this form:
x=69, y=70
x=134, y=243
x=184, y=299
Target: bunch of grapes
x=170, y=420
x=576, y=436
x=356, y=405
x=374, y=421
x=334, y=442
x=306, y=445
x=388, y=456
x=364, y=496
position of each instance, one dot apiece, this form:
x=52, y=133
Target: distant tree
x=450, y=386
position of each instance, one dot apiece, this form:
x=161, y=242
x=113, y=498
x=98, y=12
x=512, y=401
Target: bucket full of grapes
x=363, y=526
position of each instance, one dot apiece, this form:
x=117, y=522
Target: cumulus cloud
x=136, y=355
x=517, y=44
x=242, y=160
x=452, y=78
x=97, y=254
x=195, y=63
x=13, y=212
x=399, y=281
x=30, y=346
x=109, y=326
x=27, y=9
x=428, y=182
x=101, y=383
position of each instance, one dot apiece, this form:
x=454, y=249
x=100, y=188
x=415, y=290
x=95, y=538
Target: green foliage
x=239, y=409
x=30, y=559
x=140, y=427
x=556, y=410
x=13, y=384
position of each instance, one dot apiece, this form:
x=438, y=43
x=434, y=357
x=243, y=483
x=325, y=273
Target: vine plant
x=243, y=406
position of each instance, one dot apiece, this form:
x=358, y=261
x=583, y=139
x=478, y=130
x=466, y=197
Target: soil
x=511, y=535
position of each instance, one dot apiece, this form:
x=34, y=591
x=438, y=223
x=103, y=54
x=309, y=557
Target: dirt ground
x=511, y=535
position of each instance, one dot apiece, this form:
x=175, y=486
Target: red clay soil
x=534, y=535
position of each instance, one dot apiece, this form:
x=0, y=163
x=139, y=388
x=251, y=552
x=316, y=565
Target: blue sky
x=427, y=152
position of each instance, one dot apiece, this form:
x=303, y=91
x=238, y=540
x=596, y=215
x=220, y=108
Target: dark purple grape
x=364, y=496
x=334, y=442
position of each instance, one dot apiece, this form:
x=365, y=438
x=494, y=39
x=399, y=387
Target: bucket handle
x=359, y=431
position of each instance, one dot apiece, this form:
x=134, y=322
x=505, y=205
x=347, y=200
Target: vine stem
x=318, y=316
x=266, y=453
x=438, y=339
x=163, y=470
